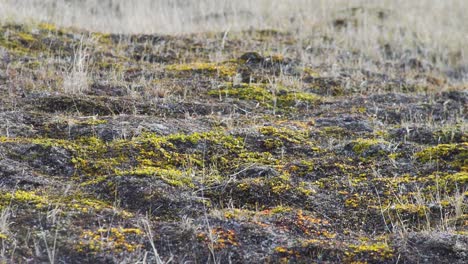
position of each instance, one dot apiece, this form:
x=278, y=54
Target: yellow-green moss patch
x=378, y=251
x=171, y=176
x=283, y=98
x=23, y=197
x=454, y=154
x=226, y=69
x=112, y=240
x=369, y=147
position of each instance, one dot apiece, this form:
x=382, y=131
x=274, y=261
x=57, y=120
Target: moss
x=20, y=41
x=279, y=185
x=295, y=98
x=376, y=251
x=89, y=156
x=13, y=46
x=277, y=58
x=259, y=93
x=81, y=203
x=240, y=214
x=409, y=208
x=311, y=72
x=301, y=168
x=335, y=132
x=87, y=122
x=224, y=238
x=103, y=38
x=450, y=182
x=369, y=147
x=358, y=110
x=354, y=201
x=453, y=154
x=394, y=156
x=265, y=158
x=47, y=27
x=226, y=69
x=171, y=176
x=26, y=38
x=460, y=177
x=115, y=240
x=305, y=188
x=281, y=209
x=94, y=158
x=216, y=137
x=166, y=151
x=33, y=65
x=285, y=254
x=285, y=135
x=153, y=155
x=271, y=143
x=23, y=197
x=110, y=65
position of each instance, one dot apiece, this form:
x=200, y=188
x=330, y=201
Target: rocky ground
x=202, y=148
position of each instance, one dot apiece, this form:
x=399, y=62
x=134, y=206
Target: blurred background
x=430, y=17
x=433, y=30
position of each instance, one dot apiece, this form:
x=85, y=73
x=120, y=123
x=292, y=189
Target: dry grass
x=76, y=81
x=349, y=33
x=430, y=18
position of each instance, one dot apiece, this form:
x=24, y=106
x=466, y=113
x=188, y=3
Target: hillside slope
x=207, y=148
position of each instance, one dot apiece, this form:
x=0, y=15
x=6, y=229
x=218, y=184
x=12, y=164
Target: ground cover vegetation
x=257, y=143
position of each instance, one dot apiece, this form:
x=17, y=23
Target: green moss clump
x=334, y=131
x=453, y=154
x=285, y=135
x=216, y=137
x=277, y=186
x=369, y=147
x=246, y=92
x=103, y=38
x=291, y=99
x=47, y=27
x=378, y=251
x=168, y=152
x=281, y=209
x=451, y=182
x=82, y=204
x=93, y=158
x=111, y=240
x=225, y=69
x=301, y=168
x=173, y=177
x=23, y=197
x=271, y=143
x=88, y=122
x=265, y=158
x=460, y=177
x=409, y=208
x=20, y=40
x=26, y=38
x=283, y=99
